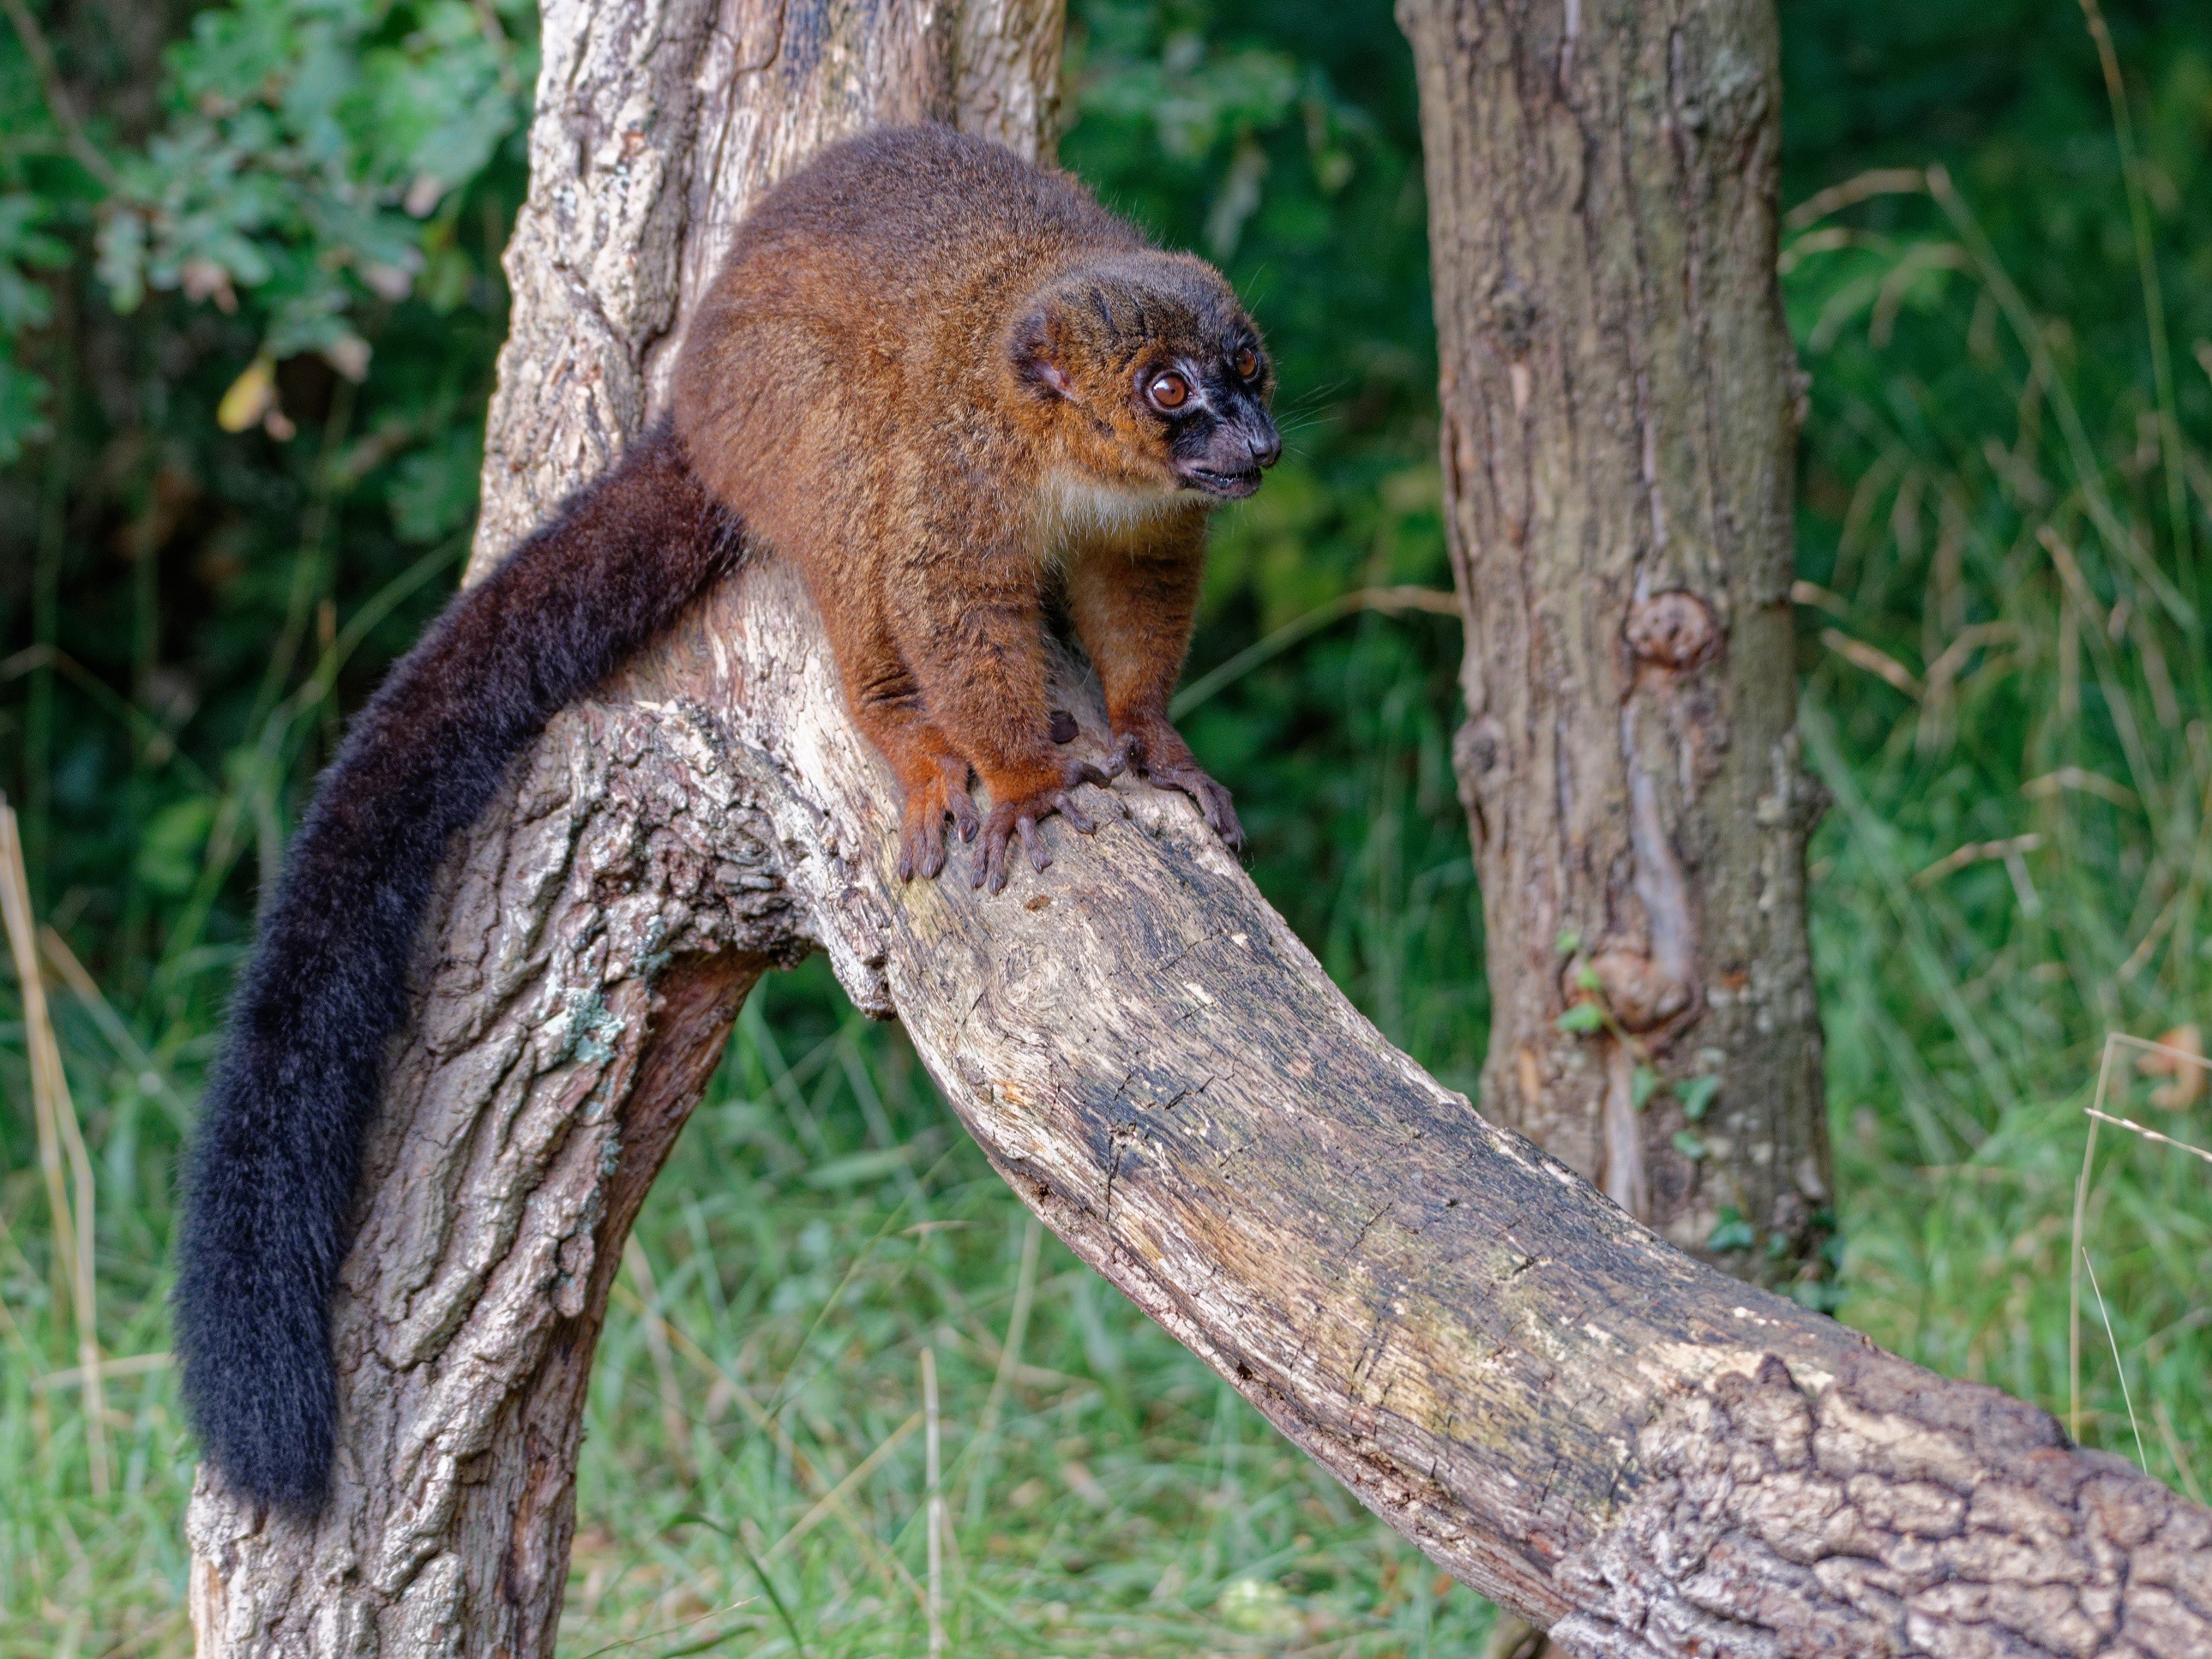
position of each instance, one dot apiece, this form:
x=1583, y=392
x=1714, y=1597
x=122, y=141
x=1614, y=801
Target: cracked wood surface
x=1550, y=1401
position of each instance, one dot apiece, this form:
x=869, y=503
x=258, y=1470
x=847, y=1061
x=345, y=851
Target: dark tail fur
x=269, y=1177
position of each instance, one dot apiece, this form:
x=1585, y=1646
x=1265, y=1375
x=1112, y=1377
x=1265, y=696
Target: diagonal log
x=1559, y=1407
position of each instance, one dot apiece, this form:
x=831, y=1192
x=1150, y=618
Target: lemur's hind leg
x=886, y=704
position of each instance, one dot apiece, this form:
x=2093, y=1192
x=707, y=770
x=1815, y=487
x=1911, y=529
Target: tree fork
x=1579, y=1420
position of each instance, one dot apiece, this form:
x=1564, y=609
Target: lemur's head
x=1145, y=371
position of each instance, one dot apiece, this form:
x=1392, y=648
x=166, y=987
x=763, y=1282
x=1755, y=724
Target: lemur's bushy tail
x=270, y=1174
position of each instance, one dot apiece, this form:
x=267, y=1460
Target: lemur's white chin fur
x=1075, y=507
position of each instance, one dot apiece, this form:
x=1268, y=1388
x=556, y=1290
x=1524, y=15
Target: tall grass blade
x=1389, y=601
x=2146, y=249
x=2080, y=1253
x=2143, y=1458
x=673, y=1423
x=59, y=1138
x=934, y=1466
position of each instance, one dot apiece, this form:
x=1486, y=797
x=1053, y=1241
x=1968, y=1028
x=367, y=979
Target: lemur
x=948, y=387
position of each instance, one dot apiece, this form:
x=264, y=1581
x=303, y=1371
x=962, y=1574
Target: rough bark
x=1559, y=1407
x=1618, y=405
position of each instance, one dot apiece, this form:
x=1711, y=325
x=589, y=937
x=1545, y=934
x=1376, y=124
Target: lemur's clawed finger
x=1021, y=816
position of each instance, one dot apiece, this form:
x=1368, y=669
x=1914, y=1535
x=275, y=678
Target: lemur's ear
x=1039, y=348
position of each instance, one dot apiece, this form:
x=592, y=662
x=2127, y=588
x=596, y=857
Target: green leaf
x=433, y=491
x=1642, y=1085
x=1581, y=1020
x=169, y=848
x=1731, y=1231
x=1696, y=1095
x=22, y=406
x=1688, y=1145
x=304, y=143
x=1568, y=942
x=1820, y=1295
x=1586, y=979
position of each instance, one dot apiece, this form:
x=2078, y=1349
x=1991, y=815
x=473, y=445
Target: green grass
x=2008, y=676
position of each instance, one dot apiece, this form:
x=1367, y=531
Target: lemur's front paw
x=1214, y=801
x=1019, y=815
x=1162, y=756
x=921, y=826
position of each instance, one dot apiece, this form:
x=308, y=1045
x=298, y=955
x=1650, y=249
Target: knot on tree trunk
x=1674, y=630
x=1638, y=991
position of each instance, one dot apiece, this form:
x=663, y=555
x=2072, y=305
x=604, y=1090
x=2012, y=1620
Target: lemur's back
x=914, y=209
x=860, y=317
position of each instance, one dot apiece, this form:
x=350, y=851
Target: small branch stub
x=1640, y=993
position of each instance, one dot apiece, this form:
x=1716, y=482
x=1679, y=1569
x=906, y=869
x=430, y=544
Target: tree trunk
x=1619, y=415
x=1574, y=1418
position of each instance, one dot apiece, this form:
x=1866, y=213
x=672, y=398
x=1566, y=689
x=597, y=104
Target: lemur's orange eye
x=1169, y=390
x=1246, y=363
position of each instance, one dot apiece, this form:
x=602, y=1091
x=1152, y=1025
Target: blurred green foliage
x=249, y=304
x=2006, y=516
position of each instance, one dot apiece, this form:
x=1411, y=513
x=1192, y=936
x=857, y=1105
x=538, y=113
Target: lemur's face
x=1212, y=407
x=1151, y=374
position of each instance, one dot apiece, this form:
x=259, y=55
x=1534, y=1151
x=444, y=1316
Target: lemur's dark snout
x=1267, y=443
x=1227, y=462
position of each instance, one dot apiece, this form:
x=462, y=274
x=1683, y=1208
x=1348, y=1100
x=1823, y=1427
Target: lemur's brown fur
x=933, y=376
x=929, y=376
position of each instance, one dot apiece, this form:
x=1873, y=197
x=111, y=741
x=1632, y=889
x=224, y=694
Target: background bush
x=249, y=303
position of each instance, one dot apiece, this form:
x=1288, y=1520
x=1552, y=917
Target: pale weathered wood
x=1619, y=423
x=593, y=942
x=1549, y=1399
